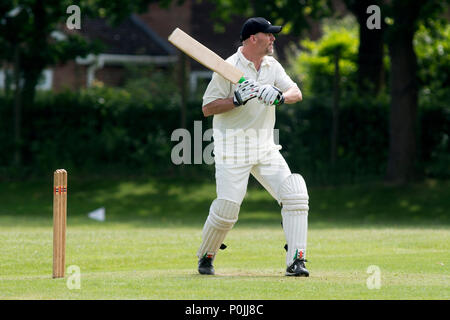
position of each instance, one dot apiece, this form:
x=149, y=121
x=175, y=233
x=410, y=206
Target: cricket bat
x=206, y=57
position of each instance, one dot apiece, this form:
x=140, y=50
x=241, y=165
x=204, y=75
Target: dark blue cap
x=257, y=24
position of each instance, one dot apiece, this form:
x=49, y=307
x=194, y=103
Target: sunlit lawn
x=146, y=247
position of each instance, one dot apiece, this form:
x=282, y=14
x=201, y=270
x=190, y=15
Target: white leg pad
x=223, y=214
x=294, y=198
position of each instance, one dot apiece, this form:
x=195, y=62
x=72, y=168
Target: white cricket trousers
x=270, y=171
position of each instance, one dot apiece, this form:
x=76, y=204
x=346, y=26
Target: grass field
x=146, y=247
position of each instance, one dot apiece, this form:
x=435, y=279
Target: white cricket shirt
x=250, y=126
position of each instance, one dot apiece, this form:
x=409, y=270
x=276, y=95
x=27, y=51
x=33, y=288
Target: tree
x=336, y=46
x=295, y=15
x=404, y=18
x=329, y=63
x=28, y=44
x=28, y=47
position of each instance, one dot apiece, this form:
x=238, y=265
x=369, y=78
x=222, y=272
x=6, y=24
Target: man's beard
x=269, y=51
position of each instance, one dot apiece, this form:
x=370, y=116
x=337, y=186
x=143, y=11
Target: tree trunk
x=336, y=97
x=371, y=49
x=403, y=111
x=183, y=64
x=17, y=159
x=402, y=142
x=370, y=61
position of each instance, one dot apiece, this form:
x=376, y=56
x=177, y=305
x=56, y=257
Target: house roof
x=131, y=37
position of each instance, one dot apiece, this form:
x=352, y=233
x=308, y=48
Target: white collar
x=248, y=62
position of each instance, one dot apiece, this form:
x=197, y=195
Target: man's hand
x=270, y=95
x=245, y=91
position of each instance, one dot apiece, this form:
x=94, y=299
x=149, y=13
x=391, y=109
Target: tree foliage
x=314, y=64
x=432, y=44
x=294, y=15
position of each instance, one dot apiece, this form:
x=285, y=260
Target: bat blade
x=205, y=56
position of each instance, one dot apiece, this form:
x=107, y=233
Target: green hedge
x=108, y=130
x=96, y=130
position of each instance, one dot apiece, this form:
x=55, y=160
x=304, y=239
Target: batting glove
x=270, y=95
x=245, y=91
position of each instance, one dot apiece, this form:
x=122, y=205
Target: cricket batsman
x=243, y=126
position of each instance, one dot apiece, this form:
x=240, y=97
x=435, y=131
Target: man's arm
x=292, y=95
x=218, y=106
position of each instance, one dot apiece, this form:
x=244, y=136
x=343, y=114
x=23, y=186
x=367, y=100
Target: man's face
x=265, y=42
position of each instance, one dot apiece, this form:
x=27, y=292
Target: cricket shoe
x=297, y=269
x=205, y=265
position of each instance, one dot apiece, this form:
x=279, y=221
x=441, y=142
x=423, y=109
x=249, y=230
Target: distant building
x=132, y=42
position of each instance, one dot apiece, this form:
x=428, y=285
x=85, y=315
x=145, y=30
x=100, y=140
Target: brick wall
x=163, y=21
x=69, y=75
x=111, y=75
